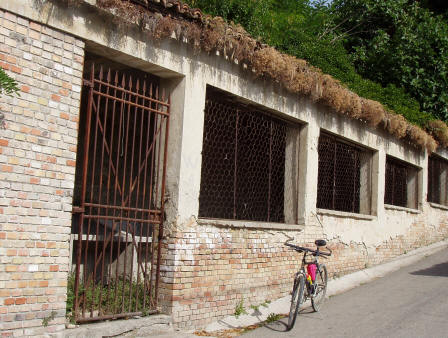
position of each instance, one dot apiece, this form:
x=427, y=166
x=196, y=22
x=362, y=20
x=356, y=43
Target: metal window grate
x=437, y=180
x=243, y=163
x=396, y=182
x=339, y=175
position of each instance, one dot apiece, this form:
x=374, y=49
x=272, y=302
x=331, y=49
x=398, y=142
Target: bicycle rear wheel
x=296, y=299
x=320, y=287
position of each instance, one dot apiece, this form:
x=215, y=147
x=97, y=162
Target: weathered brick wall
x=37, y=167
x=209, y=269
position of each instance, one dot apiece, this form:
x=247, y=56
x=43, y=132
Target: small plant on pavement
x=239, y=309
x=255, y=307
x=273, y=317
x=266, y=303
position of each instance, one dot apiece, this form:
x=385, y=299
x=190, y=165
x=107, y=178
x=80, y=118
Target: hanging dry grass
x=354, y=107
x=372, y=112
x=165, y=27
x=439, y=130
x=332, y=93
x=396, y=125
x=213, y=34
x=431, y=144
x=421, y=138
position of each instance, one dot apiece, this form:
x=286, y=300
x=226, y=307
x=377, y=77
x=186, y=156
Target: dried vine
x=171, y=18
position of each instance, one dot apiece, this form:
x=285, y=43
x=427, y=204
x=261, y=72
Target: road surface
x=411, y=302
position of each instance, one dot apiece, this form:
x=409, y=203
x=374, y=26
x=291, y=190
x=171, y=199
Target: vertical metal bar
x=270, y=172
x=130, y=191
x=114, y=103
x=142, y=112
x=83, y=190
x=123, y=195
x=153, y=151
x=101, y=189
x=92, y=306
x=393, y=184
x=235, y=169
x=334, y=175
x=150, y=195
x=354, y=180
x=162, y=207
x=156, y=163
x=144, y=199
x=120, y=141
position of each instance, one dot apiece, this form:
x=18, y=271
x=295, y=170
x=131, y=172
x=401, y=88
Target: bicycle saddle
x=320, y=242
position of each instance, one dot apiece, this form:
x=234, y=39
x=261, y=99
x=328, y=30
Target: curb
x=335, y=286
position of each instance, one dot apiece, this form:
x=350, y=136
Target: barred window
x=401, y=183
x=244, y=169
x=437, y=180
x=344, y=176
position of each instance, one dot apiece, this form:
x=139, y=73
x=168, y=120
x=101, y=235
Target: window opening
x=437, y=180
x=401, y=183
x=243, y=162
x=343, y=176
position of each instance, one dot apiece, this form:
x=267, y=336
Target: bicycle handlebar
x=313, y=252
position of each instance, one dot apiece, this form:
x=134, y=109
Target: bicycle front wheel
x=320, y=287
x=296, y=299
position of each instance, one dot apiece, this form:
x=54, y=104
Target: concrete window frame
x=409, y=184
x=437, y=180
x=363, y=178
x=291, y=154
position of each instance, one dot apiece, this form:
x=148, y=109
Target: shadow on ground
x=440, y=270
x=282, y=324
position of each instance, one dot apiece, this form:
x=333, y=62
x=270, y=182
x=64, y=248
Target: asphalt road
x=411, y=302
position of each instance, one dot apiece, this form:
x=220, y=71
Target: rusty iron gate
x=119, y=220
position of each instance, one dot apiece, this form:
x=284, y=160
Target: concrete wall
x=208, y=266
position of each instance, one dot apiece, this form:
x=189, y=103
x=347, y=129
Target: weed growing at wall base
x=240, y=309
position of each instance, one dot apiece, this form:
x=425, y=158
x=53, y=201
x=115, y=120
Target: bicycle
x=309, y=282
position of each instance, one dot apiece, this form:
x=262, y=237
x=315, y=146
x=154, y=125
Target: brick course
x=208, y=269
x=37, y=155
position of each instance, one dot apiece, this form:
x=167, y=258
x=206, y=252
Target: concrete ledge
x=335, y=286
x=250, y=224
x=395, y=207
x=146, y=325
x=344, y=214
x=438, y=206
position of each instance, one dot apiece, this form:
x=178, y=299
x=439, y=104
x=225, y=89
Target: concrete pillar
x=308, y=170
x=176, y=88
x=378, y=181
x=191, y=147
x=366, y=178
x=291, y=192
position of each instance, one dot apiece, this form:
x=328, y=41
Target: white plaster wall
x=189, y=73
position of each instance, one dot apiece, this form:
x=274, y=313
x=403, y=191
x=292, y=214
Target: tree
x=308, y=29
x=398, y=42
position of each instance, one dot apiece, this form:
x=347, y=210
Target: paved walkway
x=410, y=302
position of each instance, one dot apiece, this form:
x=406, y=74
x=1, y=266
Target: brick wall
x=37, y=167
x=208, y=269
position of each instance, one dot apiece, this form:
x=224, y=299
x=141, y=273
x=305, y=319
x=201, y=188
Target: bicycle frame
x=303, y=271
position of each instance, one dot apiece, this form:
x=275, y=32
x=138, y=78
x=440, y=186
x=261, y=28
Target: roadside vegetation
x=391, y=51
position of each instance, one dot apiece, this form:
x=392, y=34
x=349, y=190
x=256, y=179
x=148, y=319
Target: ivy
x=8, y=85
